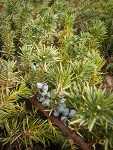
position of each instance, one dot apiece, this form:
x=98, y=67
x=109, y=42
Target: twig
x=71, y=134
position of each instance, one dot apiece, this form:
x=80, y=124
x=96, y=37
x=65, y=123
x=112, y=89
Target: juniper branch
x=71, y=134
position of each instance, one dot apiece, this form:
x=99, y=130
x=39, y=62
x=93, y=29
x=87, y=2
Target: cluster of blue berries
x=61, y=110
x=64, y=112
x=45, y=95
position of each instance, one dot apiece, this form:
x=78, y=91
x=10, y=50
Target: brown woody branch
x=71, y=134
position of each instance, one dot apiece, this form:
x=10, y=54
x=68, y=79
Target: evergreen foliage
x=61, y=43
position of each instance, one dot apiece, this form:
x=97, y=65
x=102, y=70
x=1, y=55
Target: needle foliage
x=61, y=43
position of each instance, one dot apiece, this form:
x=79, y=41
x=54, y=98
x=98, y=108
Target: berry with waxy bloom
x=46, y=103
x=42, y=99
x=45, y=88
x=64, y=120
x=65, y=112
x=72, y=113
x=59, y=109
x=56, y=114
x=39, y=85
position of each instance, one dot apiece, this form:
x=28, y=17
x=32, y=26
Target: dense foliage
x=64, y=44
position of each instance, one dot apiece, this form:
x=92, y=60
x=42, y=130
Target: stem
x=71, y=134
